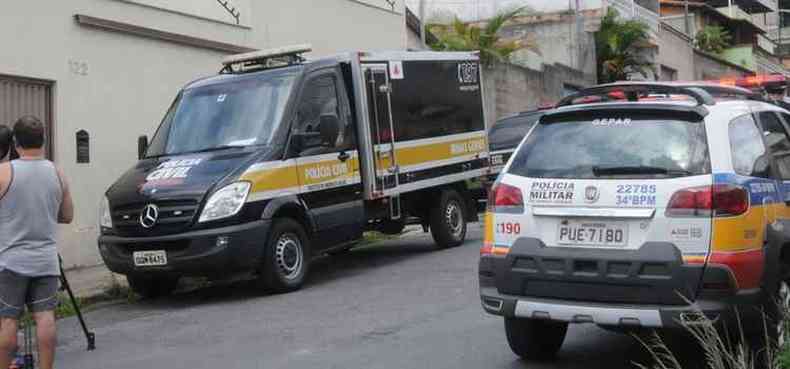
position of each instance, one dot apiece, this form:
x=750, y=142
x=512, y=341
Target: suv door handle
x=343, y=156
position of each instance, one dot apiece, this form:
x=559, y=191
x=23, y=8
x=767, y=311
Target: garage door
x=21, y=96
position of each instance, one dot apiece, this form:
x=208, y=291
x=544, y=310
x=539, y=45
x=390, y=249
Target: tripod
x=90, y=337
x=28, y=361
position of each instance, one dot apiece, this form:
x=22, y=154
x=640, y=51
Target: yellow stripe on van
x=328, y=171
x=440, y=151
x=309, y=176
x=272, y=179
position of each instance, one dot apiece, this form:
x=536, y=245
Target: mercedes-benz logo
x=591, y=194
x=149, y=216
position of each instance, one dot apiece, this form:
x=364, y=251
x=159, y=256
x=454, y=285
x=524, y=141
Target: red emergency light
x=757, y=81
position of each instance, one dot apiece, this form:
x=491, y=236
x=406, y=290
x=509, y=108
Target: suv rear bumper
x=198, y=253
x=647, y=287
x=621, y=315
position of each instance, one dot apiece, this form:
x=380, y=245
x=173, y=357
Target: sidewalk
x=89, y=282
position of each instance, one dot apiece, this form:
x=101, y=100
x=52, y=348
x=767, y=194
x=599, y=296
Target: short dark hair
x=5, y=140
x=29, y=132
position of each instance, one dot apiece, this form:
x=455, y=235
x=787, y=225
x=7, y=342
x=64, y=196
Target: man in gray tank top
x=34, y=198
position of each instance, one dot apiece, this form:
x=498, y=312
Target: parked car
x=503, y=138
x=640, y=213
x=507, y=133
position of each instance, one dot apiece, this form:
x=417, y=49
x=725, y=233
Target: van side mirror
x=142, y=146
x=325, y=134
x=762, y=166
x=329, y=128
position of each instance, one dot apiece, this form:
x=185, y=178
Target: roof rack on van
x=632, y=91
x=265, y=59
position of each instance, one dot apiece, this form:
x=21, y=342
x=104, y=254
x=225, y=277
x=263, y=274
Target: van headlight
x=226, y=202
x=105, y=217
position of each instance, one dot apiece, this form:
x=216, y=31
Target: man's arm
x=5, y=178
x=66, y=213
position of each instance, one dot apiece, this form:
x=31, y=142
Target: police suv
x=640, y=205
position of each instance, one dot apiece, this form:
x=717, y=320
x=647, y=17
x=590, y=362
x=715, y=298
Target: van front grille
x=174, y=217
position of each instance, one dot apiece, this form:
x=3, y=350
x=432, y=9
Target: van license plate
x=592, y=233
x=150, y=258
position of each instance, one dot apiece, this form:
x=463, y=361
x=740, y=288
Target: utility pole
x=577, y=37
x=422, y=22
x=686, y=18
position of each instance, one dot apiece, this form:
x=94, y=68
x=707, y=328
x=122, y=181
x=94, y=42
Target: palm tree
x=617, y=45
x=713, y=39
x=462, y=36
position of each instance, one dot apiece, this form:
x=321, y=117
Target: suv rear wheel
x=448, y=220
x=777, y=310
x=151, y=288
x=780, y=315
x=287, y=257
x=535, y=339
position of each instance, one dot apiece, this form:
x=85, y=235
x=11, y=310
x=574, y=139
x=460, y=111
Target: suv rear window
x=508, y=133
x=648, y=147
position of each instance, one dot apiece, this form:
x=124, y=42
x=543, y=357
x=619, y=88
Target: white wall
x=205, y=8
x=130, y=81
x=330, y=25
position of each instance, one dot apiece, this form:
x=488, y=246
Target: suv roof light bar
x=716, y=90
x=774, y=80
x=269, y=58
x=632, y=91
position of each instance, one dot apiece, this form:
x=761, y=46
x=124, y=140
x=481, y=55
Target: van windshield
x=237, y=113
x=650, y=147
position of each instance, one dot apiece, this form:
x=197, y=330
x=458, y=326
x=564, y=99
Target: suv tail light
x=502, y=198
x=505, y=198
x=719, y=200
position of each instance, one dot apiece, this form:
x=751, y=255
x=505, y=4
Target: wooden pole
x=422, y=23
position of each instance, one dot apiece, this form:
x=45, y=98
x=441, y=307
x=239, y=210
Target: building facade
x=751, y=25
x=103, y=72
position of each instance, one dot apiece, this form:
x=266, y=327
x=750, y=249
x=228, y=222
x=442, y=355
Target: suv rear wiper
x=638, y=169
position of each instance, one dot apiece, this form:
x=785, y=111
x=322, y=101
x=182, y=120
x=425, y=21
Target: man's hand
x=66, y=213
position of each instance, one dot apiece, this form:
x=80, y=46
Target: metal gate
x=21, y=96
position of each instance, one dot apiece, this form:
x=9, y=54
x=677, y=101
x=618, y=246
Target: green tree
x=713, y=39
x=617, y=45
x=462, y=36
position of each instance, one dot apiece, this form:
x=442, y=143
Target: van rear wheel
x=535, y=339
x=151, y=288
x=448, y=220
x=287, y=257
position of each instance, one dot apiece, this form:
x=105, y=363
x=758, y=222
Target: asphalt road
x=398, y=304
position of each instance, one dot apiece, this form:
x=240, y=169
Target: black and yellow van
x=277, y=160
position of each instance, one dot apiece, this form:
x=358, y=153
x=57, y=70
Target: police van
x=278, y=159
x=642, y=205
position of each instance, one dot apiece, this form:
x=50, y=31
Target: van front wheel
x=448, y=220
x=151, y=288
x=287, y=257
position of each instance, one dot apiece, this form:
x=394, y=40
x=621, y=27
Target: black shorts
x=39, y=294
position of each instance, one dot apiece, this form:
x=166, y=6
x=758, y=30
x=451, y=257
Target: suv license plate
x=592, y=233
x=150, y=258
